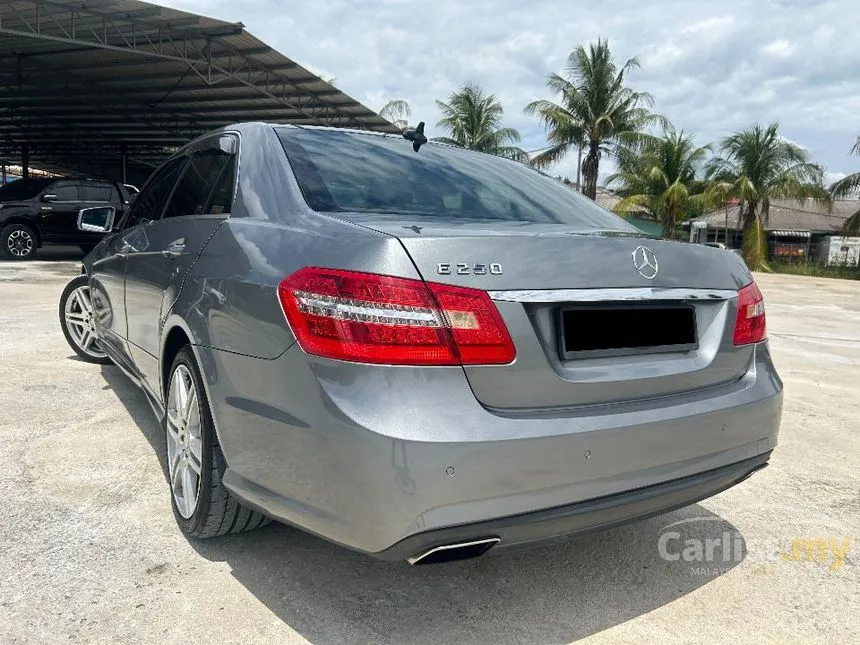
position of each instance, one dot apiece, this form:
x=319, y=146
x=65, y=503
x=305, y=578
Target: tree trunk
x=579, y=168
x=590, y=168
x=754, y=244
x=669, y=224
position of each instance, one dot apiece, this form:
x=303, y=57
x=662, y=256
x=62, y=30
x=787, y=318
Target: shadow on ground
x=554, y=594
x=59, y=254
x=49, y=264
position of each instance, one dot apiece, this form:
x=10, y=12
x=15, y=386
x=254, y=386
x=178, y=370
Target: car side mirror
x=96, y=220
x=49, y=198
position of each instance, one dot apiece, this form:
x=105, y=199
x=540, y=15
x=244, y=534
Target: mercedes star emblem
x=645, y=262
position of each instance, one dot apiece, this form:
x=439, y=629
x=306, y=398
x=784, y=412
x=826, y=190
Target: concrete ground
x=89, y=551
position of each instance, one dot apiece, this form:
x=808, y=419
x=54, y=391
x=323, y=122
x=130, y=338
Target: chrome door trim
x=599, y=295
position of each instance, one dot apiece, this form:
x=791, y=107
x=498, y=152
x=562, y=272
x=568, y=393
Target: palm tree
x=662, y=178
x=847, y=187
x=596, y=110
x=758, y=166
x=473, y=118
x=397, y=111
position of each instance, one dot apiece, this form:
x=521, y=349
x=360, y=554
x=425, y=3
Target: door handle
x=174, y=248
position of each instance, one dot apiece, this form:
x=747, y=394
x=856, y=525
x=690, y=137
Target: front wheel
x=77, y=320
x=203, y=507
x=17, y=242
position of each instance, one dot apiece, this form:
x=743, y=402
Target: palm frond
x=473, y=119
x=550, y=156
x=632, y=203
x=593, y=108
x=397, y=111
x=846, y=187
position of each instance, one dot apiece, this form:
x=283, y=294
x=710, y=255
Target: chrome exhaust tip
x=456, y=551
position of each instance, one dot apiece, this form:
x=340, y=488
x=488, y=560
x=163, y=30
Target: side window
x=201, y=176
x=96, y=192
x=221, y=200
x=150, y=202
x=66, y=191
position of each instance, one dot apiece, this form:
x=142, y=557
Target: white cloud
x=833, y=177
x=778, y=49
x=709, y=30
x=792, y=61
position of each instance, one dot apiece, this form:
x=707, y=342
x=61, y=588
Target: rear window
x=97, y=192
x=344, y=172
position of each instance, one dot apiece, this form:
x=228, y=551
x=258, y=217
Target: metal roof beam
x=119, y=112
x=87, y=15
x=183, y=124
x=11, y=81
x=253, y=51
x=263, y=81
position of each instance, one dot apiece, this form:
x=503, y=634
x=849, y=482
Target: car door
x=60, y=204
x=155, y=269
x=107, y=275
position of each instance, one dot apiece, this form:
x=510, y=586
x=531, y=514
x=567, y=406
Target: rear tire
x=203, y=507
x=77, y=321
x=18, y=242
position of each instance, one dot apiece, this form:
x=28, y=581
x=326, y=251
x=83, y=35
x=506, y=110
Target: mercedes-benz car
x=417, y=351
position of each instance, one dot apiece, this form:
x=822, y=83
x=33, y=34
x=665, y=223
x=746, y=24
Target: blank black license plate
x=623, y=329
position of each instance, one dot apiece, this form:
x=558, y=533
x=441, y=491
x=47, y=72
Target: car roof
x=99, y=179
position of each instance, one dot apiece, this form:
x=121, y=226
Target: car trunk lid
x=596, y=317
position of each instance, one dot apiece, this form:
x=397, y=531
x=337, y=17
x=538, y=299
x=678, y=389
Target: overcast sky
x=712, y=66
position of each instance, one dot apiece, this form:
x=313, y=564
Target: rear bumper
x=385, y=460
x=554, y=524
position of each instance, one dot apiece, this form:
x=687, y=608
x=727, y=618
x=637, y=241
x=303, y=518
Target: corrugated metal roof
x=606, y=198
x=81, y=78
x=790, y=215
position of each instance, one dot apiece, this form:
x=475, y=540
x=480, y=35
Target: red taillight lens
x=750, y=323
x=371, y=318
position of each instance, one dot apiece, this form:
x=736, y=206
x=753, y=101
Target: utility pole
x=25, y=161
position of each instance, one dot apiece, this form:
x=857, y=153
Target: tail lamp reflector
x=371, y=318
x=750, y=323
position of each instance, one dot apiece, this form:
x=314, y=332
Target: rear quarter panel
x=229, y=299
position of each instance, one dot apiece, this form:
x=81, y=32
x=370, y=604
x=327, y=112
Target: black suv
x=41, y=211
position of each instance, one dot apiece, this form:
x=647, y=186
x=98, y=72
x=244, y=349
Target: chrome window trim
x=621, y=294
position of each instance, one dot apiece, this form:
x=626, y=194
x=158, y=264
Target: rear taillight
x=369, y=318
x=750, y=323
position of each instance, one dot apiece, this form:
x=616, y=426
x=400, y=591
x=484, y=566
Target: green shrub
x=816, y=270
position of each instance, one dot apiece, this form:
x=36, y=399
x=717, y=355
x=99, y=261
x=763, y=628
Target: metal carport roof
x=83, y=80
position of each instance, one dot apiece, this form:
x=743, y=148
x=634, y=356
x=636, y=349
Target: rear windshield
x=23, y=189
x=344, y=172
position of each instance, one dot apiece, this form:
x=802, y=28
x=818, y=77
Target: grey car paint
x=367, y=455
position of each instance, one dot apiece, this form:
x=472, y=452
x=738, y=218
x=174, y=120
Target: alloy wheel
x=20, y=243
x=80, y=322
x=184, y=441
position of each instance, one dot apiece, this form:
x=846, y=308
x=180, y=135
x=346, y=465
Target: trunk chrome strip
x=597, y=295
